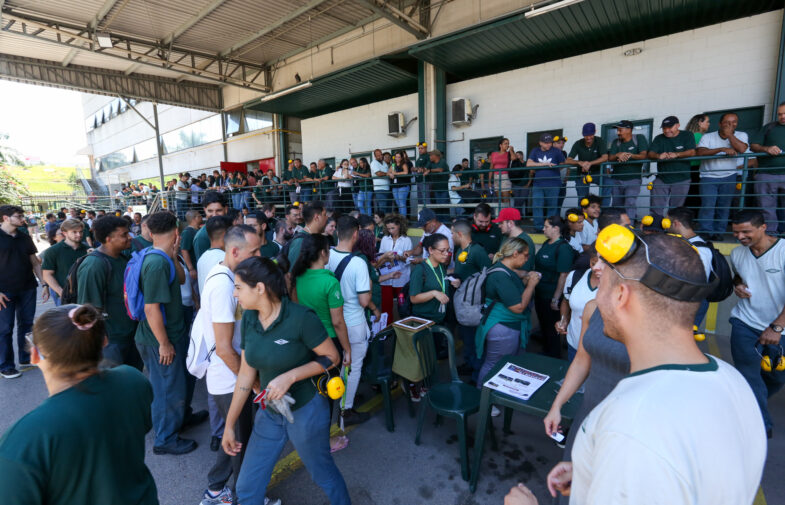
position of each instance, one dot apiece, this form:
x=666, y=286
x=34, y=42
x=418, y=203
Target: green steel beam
x=779, y=86
x=441, y=110
x=421, y=99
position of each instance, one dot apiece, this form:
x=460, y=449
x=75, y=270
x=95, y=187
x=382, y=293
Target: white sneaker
x=495, y=412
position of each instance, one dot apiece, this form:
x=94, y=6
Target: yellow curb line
x=760, y=498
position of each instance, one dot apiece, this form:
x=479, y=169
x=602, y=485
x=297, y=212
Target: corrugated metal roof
x=154, y=19
x=592, y=25
x=82, y=11
x=358, y=85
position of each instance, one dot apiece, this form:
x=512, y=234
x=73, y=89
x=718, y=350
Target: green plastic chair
x=453, y=399
x=377, y=370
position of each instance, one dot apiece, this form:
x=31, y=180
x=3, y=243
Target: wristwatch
x=777, y=328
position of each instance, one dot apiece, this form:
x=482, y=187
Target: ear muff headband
x=585, y=202
x=616, y=244
x=573, y=218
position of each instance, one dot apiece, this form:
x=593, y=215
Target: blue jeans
x=467, y=334
x=747, y=361
x=356, y=199
x=401, y=196
x=54, y=297
x=384, y=201
x=181, y=207
x=716, y=196
x=169, y=389
x=581, y=188
x=704, y=307
x=365, y=202
x=310, y=435
x=424, y=193
x=306, y=195
x=571, y=352
x=625, y=195
x=544, y=198
x=116, y=354
x=440, y=198
x=20, y=307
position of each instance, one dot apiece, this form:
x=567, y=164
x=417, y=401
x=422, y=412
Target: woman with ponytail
x=86, y=442
x=507, y=298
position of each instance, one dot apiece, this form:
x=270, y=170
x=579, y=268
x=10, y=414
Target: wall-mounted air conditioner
x=463, y=112
x=396, y=124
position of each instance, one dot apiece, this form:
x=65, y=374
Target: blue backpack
x=132, y=287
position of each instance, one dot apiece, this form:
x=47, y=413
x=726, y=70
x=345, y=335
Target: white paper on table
x=516, y=381
x=392, y=267
x=377, y=326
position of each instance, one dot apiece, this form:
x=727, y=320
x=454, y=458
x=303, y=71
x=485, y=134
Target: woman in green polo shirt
x=86, y=442
x=284, y=346
x=428, y=284
x=554, y=261
x=507, y=324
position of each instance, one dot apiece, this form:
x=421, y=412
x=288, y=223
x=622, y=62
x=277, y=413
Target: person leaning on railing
x=588, y=153
x=627, y=148
x=547, y=180
x=770, y=179
x=670, y=188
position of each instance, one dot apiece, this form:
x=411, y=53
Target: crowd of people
x=271, y=303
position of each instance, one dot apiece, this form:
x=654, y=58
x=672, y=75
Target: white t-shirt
x=179, y=193
x=207, y=261
x=400, y=246
x=765, y=278
x=576, y=243
x=354, y=281
x=670, y=435
x=453, y=182
x=582, y=294
x=720, y=167
x=705, y=254
x=219, y=306
x=447, y=233
x=589, y=232
x=380, y=183
x=185, y=288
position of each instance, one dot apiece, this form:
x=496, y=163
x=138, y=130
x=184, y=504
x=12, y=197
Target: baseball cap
x=624, y=124
x=435, y=152
x=589, y=129
x=669, y=121
x=508, y=214
x=425, y=215
x=546, y=137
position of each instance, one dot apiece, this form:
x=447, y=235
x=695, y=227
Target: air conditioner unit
x=462, y=111
x=396, y=124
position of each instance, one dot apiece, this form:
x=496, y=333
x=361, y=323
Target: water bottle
x=400, y=301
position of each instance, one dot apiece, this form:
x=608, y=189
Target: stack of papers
x=516, y=381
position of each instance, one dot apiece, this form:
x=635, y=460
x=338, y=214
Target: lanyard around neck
x=438, y=279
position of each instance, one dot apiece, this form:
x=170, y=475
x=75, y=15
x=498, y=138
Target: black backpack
x=577, y=275
x=70, y=294
x=720, y=272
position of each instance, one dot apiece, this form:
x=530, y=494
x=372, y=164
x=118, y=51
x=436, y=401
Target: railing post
x=744, y=171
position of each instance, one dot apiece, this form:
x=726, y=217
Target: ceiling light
x=272, y=96
x=104, y=40
x=550, y=8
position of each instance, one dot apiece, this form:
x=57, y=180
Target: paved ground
x=384, y=468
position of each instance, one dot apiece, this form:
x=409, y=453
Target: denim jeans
x=310, y=436
x=716, y=196
x=544, y=199
x=520, y=195
x=467, y=334
x=440, y=198
x=365, y=202
x=217, y=420
x=169, y=389
x=571, y=352
x=383, y=200
x=747, y=361
x=770, y=188
x=226, y=465
x=625, y=195
x=424, y=193
x=181, y=207
x=116, y=354
x=500, y=341
x=580, y=188
x=666, y=196
x=54, y=297
x=401, y=196
x=20, y=307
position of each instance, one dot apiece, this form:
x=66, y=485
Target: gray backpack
x=469, y=299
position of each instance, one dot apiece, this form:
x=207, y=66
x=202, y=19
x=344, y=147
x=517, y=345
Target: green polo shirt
x=476, y=259
x=529, y=265
x=505, y=288
x=156, y=288
x=201, y=244
x=376, y=287
x=83, y=445
x=631, y=169
x=299, y=173
x=491, y=240
x=287, y=175
x=269, y=250
x=580, y=151
x=319, y=290
x=94, y=286
x=363, y=184
x=294, y=247
x=140, y=243
x=60, y=257
x=439, y=179
x=422, y=161
x=424, y=279
x=678, y=170
x=775, y=137
x=286, y=344
x=551, y=261
x=187, y=241
x=329, y=184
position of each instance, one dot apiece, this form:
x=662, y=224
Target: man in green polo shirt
x=588, y=153
x=509, y=222
x=58, y=259
x=439, y=173
x=315, y=217
x=423, y=183
x=194, y=220
x=213, y=206
x=669, y=149
x=486, y=233
x=287, y=180
x=160, y=337
x=628, y=150
x=308, y=188
x=770, y=177
x=144, y=239
x=470, y=258
x=298, y=174
x=100, y=283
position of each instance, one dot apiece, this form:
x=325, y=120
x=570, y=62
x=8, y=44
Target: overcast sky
x=43, y=122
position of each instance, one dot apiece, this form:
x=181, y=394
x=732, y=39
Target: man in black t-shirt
x=20, y=267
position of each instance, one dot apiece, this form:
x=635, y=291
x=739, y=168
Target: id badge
x=442, y=308
x=297, y=190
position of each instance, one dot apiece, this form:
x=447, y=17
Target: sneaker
x=495, y=412
x=10, y=373
x=268, y=502
x=180, y=446
x=215, y=443
x=194, y=419
x=27, y=366
x=414, y=394
x=224, y=496
x=351, y=416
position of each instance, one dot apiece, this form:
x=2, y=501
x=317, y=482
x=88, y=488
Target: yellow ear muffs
x=585, y=202
x=587, y=179
x=649, y=186
x=331, y=388
x=647, y=220
x=615, y=243
x=699, y=337
x=290, y=162
x=780, y=364
x=738, y=186
x=666, y=223
x=573, y=218
x=765, y=363
x=296, y=204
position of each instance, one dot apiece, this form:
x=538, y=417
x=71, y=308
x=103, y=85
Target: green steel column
x=421, y=99
x=440, y=121
x=779, y=86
